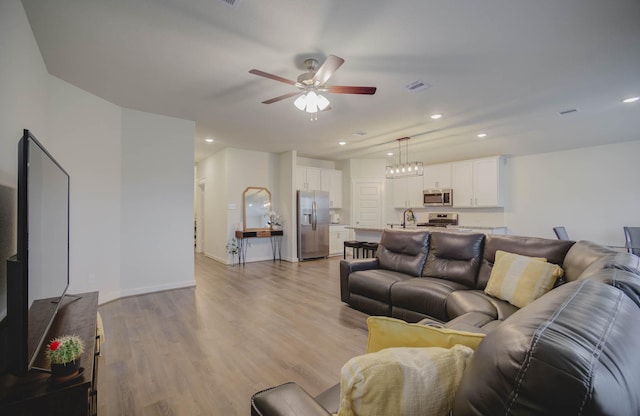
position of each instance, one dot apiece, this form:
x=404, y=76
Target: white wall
x=288, y=205
x=592, y=191
x=85, y=134
x=23, y=86
x=228, y=173
x=212, y=173
x=157, y=202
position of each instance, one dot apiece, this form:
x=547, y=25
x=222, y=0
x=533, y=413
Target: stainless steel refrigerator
x=313, y=224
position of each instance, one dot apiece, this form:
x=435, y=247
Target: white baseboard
x=109, y=297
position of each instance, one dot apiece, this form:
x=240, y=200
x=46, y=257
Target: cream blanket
x=402, y=381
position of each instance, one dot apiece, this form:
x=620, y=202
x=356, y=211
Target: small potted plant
x=64, y=355
x=233, y=249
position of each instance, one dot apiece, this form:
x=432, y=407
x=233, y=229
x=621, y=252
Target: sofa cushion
x=402, y=381
x=617, y=260
x=569, y=352
x=375, y=284
x=462, y=302
x=387, y=332
x=403, y=251
x=520, y=280
x=475, y=322
x=455, y=257
x=424, y=295
x=581, y=255
x=552, y=250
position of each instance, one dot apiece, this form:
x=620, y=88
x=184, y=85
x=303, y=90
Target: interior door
x=367, y=204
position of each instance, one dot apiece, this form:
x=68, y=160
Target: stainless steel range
x=440, y=219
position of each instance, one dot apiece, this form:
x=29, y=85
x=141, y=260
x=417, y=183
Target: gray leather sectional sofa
x=572, y=351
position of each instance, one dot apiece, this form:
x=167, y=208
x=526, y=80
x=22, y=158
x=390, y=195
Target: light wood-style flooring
x=206, y=350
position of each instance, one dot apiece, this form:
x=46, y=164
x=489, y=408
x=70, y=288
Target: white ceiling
x=504, y=67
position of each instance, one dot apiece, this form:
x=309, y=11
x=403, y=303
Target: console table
x=274, y=235
x=34, y=394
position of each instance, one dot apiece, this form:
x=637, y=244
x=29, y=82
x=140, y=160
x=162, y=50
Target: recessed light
x=630, y=100
x=342, y=143
x=208, y=139
x=389, y=153
x=436, y=116
x=482, y=135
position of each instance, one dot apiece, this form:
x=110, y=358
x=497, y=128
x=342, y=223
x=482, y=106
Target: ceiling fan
x=311, y=83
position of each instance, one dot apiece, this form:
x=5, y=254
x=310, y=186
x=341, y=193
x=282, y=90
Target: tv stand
x=34, y=394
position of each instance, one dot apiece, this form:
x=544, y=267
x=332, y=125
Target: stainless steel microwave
x=437, y=197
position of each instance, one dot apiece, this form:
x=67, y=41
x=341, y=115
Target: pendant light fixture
x=406, y=168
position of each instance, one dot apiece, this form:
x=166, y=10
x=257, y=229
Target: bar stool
x=356, y=245
x=369, y=249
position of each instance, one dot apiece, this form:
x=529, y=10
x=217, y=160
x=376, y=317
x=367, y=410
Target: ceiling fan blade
x=271, y=76
x=337, y=89
x=326, y=70
x=282, y=97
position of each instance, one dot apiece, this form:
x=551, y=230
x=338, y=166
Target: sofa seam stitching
x=536, y=339
x=600, y=347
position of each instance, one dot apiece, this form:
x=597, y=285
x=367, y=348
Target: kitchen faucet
x=404, y=217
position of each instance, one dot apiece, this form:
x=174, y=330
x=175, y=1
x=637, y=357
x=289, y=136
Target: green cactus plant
x=64, y=349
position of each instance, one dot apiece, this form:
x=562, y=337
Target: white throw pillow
x=402, y=381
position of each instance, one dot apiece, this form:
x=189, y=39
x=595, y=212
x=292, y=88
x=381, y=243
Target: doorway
x=367, y=204
x=199, y=218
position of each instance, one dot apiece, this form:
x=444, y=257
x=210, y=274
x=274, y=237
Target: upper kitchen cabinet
x=478, y=183
x=318, y=179
x=308, y=178
x=407, y=192
x=437, y=176
x=335, y=190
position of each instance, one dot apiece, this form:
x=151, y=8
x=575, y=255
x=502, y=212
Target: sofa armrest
x=287, y=399
x=349, y=266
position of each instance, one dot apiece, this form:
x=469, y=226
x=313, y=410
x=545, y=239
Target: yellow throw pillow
x=387, y=332
x=402, y=381
x=520, y=280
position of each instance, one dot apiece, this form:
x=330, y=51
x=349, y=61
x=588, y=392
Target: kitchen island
x=373, y=234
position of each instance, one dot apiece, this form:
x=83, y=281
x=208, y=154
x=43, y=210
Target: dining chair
x=561, y=233
x=632, y=239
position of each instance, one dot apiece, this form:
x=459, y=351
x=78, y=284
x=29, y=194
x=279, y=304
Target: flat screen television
x=38, y=275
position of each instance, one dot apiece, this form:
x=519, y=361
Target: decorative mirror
x=256, y=207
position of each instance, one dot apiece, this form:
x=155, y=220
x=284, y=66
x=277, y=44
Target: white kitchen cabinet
x=308, y=178
x=325, y=180
x=318, y=179
x=477, y=183
x=335, y=188
x=437, y=176
x=407, y=192
x=338, y=234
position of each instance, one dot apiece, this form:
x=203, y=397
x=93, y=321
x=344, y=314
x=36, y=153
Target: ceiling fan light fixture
x=322, y=102
x=301, y=102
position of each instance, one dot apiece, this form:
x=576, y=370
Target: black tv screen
x=38, y=276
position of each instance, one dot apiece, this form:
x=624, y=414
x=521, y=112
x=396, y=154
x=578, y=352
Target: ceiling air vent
x=417, y=86
x=230, y=3
x=565, y=112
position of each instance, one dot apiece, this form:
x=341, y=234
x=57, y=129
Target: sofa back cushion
x=569, y=352
x=619, y=261
x=455, y=257
x=403, y=251
x=552, y=250
x=581, y=256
